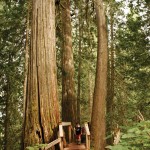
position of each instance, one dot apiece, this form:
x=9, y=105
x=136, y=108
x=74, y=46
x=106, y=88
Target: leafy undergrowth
x=36, y=147
x=136, y=137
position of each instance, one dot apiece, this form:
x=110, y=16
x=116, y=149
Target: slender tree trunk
x=110, y=91
x=7, y=139
x=90, y=90
x=28, y=27
x=112, y=60
x=41, y=106
x=68, y=86
x=99, y=106
x=6, y=123
x=79, y=73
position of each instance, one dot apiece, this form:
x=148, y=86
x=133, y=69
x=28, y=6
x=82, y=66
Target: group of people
x=79, y=134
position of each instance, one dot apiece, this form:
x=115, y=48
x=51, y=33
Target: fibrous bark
x=68, y=86
x=99, y=106
x=41, y=107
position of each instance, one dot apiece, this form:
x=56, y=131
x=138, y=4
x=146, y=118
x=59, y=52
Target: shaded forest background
x=128, y=90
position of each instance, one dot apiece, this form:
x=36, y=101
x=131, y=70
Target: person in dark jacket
x=78, y=132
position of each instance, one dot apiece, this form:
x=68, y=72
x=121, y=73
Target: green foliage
x=117, y=147
x=12, y=35
x=132, y=63
x=85, y=31
x=36, y=147
x=136, y=137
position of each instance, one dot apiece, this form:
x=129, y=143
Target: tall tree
x=98, y=110
x=41, y=105
x=68, y=86
x=79, y=59
x=79, y=75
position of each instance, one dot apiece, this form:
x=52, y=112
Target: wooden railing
x=53, y=144
x=87, y=136
x=69, y=129
x=61, y=136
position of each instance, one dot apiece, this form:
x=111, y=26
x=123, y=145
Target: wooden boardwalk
x=70, y=146
x=74, y=146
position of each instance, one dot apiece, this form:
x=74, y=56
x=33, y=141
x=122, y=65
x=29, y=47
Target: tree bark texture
x=68, y=86
x=41, y=106
x=99, y=106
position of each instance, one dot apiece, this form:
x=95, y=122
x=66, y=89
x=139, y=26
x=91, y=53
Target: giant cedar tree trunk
x=41, y=106
x=98, y=111
x=68, y=87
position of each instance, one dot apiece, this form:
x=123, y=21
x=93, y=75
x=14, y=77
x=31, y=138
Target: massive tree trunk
x=99, y=106
x=41, y=106
x=68, y=86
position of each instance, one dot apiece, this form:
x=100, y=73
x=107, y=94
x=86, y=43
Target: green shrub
x=136, y=137
x=36, y=147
